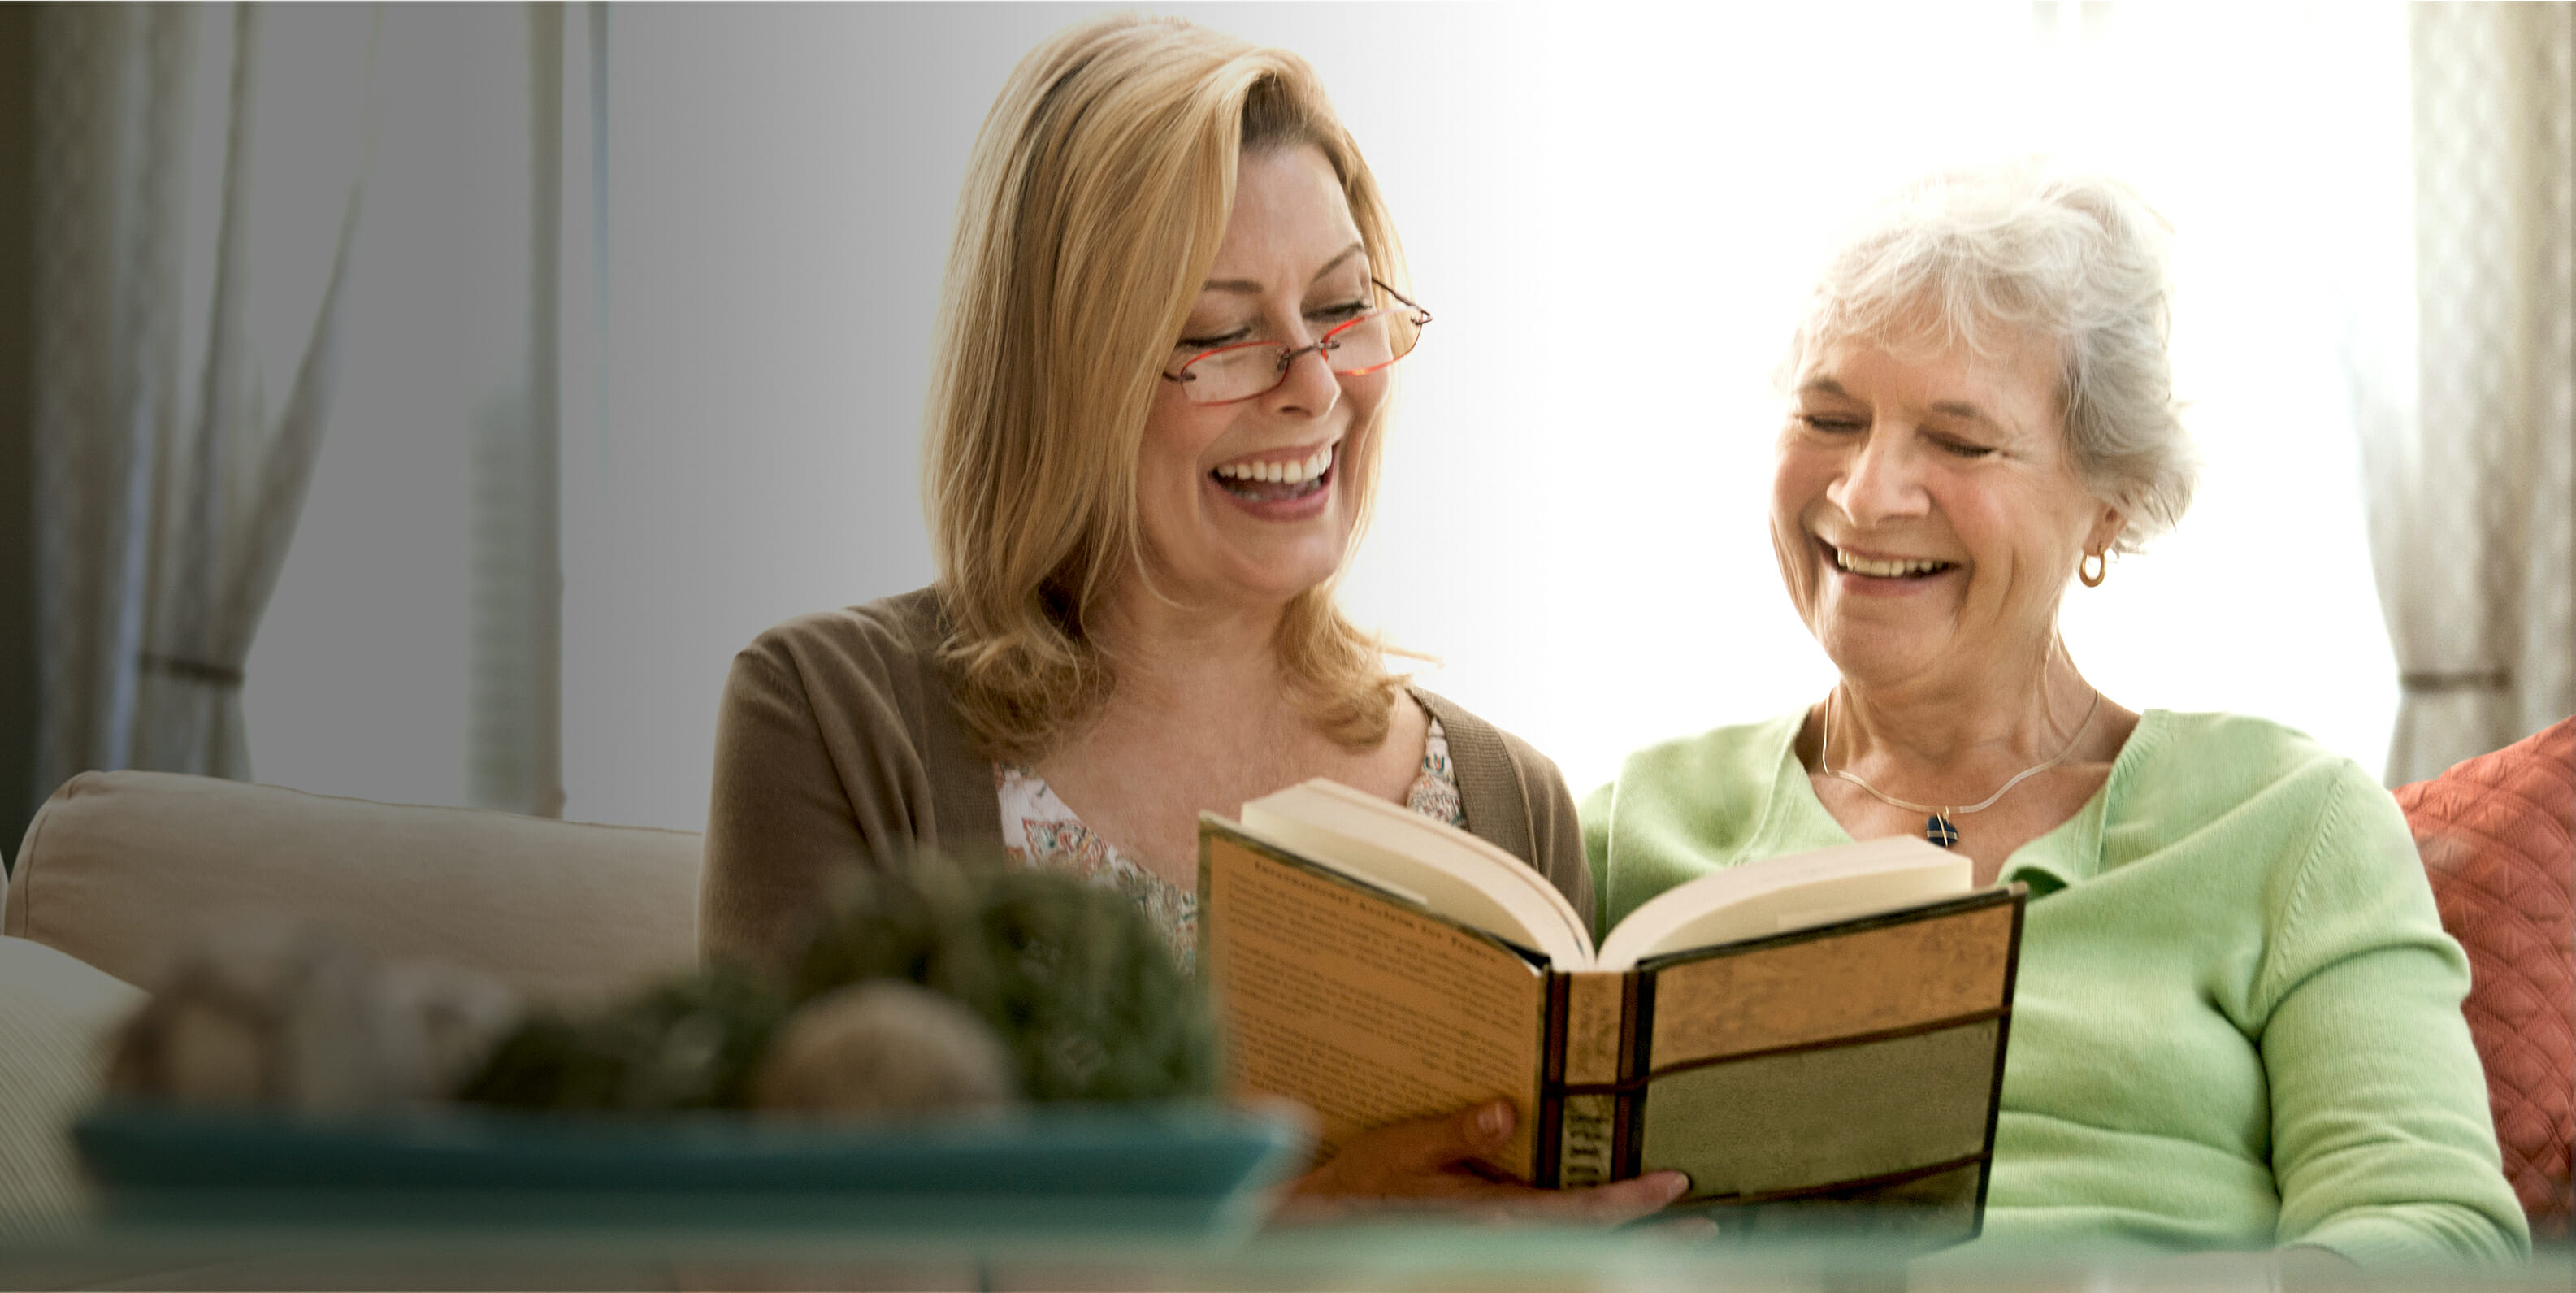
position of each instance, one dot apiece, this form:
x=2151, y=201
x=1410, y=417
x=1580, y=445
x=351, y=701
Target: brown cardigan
x=838, y=744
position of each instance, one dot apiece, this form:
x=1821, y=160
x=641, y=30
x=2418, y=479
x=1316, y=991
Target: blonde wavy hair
x=1094, y=203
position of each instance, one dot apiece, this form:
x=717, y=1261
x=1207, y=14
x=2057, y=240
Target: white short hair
x=2027, y=250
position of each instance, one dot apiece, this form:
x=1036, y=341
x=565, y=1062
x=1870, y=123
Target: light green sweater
x=2238, y=1018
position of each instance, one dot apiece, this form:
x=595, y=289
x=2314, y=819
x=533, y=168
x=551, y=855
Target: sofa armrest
x=120, y=868
x=56, y=1015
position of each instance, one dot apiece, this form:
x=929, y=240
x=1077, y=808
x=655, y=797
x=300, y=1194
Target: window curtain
x=209, y=301
x=412, y=652
x=2470, y=492
x=170, y=463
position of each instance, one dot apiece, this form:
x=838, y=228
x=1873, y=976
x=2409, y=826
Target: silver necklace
x=1937, y=827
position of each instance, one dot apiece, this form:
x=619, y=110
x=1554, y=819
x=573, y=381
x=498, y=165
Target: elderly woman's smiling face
x=1927, y=512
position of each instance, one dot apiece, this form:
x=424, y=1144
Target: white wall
x=1574, y=523
x=356, y=683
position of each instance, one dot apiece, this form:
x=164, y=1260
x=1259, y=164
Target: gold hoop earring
x=2101, y=569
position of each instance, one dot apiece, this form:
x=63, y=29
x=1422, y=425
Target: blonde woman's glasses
x=1365, y=344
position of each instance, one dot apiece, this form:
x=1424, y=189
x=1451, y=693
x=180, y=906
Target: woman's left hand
x=1428, y=1163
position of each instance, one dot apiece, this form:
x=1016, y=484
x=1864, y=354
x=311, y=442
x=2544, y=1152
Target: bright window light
x=1614, y=214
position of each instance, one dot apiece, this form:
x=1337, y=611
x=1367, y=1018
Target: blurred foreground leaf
x=1071, y=977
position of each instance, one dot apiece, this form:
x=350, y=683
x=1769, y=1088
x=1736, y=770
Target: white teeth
x=1280, y=473
x=1884, y=569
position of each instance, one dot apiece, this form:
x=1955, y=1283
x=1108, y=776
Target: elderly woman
x=2238, y=1018
x=1161, y=393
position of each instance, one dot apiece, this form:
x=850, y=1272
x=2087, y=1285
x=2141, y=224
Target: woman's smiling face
x=1247, y=503
x=1926, y=512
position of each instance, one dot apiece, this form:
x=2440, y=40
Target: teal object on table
x=1168, y=1168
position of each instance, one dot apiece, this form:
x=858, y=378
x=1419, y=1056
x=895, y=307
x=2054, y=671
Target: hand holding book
x=1432, y=1160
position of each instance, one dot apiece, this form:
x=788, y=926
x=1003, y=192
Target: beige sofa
x=120, y=868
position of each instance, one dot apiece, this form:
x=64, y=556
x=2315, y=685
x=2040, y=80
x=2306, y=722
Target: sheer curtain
x=2470, y=435
x=412, y=654
x=193, y=230
x=210, y=297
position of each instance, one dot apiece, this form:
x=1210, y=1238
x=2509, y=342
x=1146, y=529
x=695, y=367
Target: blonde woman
x=1154, y=428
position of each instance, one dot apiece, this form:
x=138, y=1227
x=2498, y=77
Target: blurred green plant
x=686, y=1043
x=1071, y=977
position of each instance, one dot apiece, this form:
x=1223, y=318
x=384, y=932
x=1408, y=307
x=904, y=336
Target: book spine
x=1546, y=1145
x=1585, y=1135
x=1585, y=1092
x=1636, y=1044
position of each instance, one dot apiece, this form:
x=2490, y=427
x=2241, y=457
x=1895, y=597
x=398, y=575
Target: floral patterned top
x=1040, y=831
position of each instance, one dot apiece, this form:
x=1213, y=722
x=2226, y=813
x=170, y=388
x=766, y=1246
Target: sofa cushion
x=55, y=1018
x=2498, y=835
x=119, y=867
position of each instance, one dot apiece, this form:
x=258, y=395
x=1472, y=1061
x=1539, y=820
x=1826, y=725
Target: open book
x=1803, y=1036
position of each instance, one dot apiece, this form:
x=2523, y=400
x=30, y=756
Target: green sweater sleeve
x=2238, y=1016
x=2382, y=1146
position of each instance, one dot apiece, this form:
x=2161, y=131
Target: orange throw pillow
x=2498, y=835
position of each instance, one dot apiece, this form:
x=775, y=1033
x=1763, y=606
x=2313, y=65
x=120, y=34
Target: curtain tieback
x=220, y=675
x=2417, y=682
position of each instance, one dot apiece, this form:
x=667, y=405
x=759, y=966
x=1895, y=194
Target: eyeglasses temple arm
x=1409, y=302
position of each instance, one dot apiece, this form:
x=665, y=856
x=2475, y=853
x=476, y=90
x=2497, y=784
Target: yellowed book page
x=1895, y=976
x=1366, y=1011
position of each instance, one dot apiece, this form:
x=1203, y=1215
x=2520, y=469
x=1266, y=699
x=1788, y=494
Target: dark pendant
x=1938, y=829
